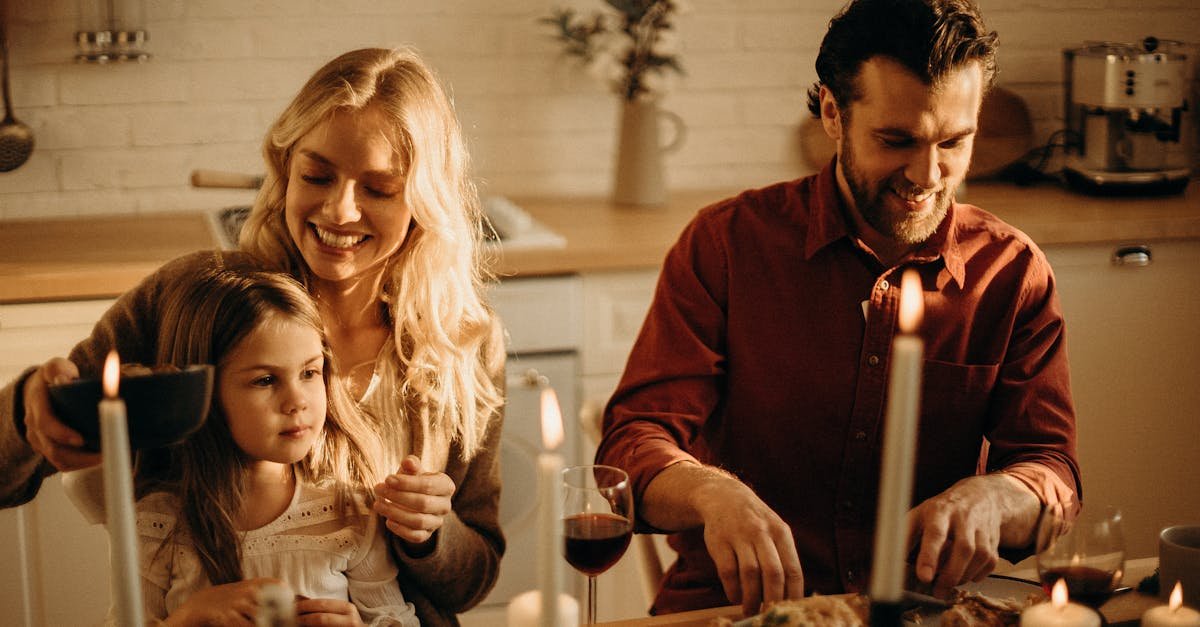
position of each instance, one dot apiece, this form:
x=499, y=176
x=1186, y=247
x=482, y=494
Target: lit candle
x=550, y=467
x=899, y=443
x=1173, y=614
x=525, y=608
x=546, y=606
x=1059, y=612
x=118, y=499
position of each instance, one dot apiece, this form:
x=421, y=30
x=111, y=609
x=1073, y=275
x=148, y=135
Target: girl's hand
x=227, y=604
x=414, y=503
x=327, y=612
x=46, y=434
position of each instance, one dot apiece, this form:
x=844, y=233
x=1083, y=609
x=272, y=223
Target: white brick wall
x=124, y=138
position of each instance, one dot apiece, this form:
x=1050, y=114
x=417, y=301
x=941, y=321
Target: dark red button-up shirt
x=766, y=353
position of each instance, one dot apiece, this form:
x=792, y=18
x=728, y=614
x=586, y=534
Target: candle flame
x=1058, y=595
x=911, y=302
x=112, y=374
x=1176, y=599
x=552, y=427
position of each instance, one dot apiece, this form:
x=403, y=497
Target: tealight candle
x=525, y=610
x=1173, y=614
x=118, y=498
x=1059, y=612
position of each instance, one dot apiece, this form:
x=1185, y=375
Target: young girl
x=274, y=483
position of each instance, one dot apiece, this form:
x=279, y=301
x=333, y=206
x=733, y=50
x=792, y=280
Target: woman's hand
x=234, y=604
x=414, y=503
x=46, y=434
x=327, y=612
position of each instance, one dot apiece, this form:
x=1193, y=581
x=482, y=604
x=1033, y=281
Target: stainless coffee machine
x=1130, y=114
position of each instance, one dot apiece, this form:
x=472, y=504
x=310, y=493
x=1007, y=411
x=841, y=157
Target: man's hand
x=961, y=530
x=750, y=544
x=46, y=434
x=415, y=503
x=327, y=612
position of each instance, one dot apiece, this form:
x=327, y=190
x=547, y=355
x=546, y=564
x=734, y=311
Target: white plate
x=994, y=586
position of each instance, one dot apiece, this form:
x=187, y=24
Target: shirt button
x=850, y=575
x=883, y=285
x=872, y=360
x=860, y=435
x=847, y=504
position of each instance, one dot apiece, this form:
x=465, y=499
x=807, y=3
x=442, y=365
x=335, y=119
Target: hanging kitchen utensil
x=16, y=139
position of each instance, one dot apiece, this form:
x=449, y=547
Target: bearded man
x=750, y=414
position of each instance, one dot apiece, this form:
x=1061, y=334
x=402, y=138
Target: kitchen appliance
x=1130, y=116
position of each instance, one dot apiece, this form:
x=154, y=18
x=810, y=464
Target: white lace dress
x=318, y=553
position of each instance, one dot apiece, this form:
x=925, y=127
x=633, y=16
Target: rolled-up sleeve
x=1031, y=433
x=674, y=376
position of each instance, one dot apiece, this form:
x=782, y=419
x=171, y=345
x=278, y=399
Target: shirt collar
x=827, y=224
x=944, y=244
x=826, y=218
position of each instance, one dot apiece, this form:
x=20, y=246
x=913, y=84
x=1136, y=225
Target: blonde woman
x=368, y=203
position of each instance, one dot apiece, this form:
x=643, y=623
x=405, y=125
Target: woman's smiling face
x=345, y=206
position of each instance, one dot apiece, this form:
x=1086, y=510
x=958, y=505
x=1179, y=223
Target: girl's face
x=345, y=205
x=271, y=391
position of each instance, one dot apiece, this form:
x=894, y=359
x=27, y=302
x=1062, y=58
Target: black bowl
x=162, y=408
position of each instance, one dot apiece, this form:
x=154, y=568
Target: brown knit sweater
x=455, y=576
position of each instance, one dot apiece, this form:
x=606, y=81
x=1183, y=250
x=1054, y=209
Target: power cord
x=1031, y=167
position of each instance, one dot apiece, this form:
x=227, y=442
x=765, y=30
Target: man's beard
x=906, y=228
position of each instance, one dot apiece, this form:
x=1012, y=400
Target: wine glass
x=597, y=522
x=1086, y=551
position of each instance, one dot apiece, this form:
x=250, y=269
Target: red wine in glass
x=594, y=542
x=597, y=522
x=1085, y=584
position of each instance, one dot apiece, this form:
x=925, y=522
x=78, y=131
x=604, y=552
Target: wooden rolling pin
x=228, y=180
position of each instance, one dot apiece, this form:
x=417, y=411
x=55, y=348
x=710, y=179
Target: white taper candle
x=550, y=527
x=899, y=445
x=125, y=581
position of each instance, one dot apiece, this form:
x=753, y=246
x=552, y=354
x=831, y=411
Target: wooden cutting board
x=1005, y=135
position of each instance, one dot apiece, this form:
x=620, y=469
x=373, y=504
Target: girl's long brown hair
x=203, y=318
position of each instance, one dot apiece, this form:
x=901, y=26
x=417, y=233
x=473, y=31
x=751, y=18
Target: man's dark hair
x=929, y=37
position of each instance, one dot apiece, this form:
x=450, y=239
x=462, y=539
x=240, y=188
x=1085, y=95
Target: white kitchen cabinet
x=58, y=571
x=614, y=308
x=1132, y=334
x=541, y=318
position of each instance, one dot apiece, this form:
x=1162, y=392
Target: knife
x=925, y=599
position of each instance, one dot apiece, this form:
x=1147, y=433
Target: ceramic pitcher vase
x=639, y=169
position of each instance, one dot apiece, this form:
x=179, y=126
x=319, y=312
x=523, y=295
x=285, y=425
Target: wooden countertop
x=102, y=256
x=1120, y=611
x=91, y=257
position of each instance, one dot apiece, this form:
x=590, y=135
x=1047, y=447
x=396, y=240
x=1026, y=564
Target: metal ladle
x=16, y=139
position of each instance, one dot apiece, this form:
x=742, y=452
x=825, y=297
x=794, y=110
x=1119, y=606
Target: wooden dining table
x=1124, y=609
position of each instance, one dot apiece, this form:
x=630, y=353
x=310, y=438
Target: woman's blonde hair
x=439, y=378
x=203, y=319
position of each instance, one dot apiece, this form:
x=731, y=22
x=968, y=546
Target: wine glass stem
x=591, y=601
